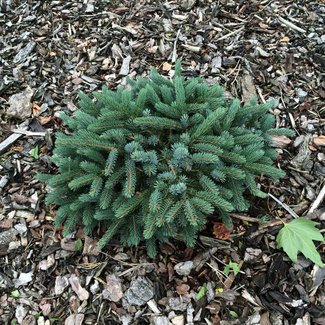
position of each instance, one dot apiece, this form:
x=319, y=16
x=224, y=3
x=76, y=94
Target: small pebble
x=4, y=181
x=22, y=229
x=184, y=268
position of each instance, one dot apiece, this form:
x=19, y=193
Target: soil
x=51, y=50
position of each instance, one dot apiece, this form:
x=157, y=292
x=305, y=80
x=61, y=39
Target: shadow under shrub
x=156, y=160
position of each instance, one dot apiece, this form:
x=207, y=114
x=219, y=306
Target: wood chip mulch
x=51, y=50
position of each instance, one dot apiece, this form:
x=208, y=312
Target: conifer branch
x=157, y=159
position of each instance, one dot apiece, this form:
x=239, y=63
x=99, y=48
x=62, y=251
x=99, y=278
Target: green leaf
x=202, y=292
x=233, y=314
x=297, y=236
x=233, y=266
x=34, y=153
x=78, y=245
x=15, y=293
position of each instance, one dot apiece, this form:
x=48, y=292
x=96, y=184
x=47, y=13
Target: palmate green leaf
x=297, y=236
x=231, y=266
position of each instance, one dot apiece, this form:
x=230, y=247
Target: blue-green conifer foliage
x=156, y=159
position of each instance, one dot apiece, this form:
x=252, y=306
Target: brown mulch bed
x=51, y=50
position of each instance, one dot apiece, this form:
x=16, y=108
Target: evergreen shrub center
x=157, y=159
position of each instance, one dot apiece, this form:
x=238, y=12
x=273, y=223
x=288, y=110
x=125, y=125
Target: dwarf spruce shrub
x=156, y=159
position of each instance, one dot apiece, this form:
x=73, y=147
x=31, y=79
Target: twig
x=29, y=133
x=265, y=228
x=214, y=242
x=9, y=141
x=244, y=217
x=318, y=200
x=153, y=306
x=174, y=53
x=227, y=35
x=291, y=25
x=259, y=91
x=285, y=206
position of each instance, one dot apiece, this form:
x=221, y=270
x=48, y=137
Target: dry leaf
x=82, y=293
x=319, y=141
x=281, y=141
x=61, y=282
x=76, y=319
x=183, y=289
x=35, y=109
x=6, y=223
x=166, y=66
x=44, y=119
x=192, y=48
x=90, y=247
x=46, y=308
x=113, y=289
x=220, y=231
x=70, y=245
x=285, y=39
x=262, y=25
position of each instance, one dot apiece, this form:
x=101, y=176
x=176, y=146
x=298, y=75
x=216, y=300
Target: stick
x=29, y=133
x=285, y=206
x=318, y=200
x=291, y=25
x=9, y=141
x=244, y=217
x=232, y=33
x=174, y=53
x=264, y=228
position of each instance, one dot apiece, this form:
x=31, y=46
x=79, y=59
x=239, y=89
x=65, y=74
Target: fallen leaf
x=281, y=141
x=297, y=236
x=20, y=314
x=262, y=25
x=220, y=231
x=46, y=308
x=44, y=119
x=17, y=148
x=35, y=109
x=44, y=149
x=61, y=283
x=166, y=66
x=47, y=263
x=90, y=247
x=70, y=245
x=162, y=268
x=285, y=39
x=178, y=320
x=82, y=293
x=113, y=289
x=183, y=289
x=6, y=223
x=23, y=279
x=76, y=319
x=319, y=141
x=191, y=48
x=15, y=293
